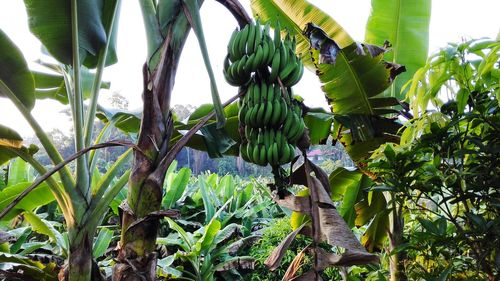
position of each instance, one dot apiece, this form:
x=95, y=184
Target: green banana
x=259, y=57
x=276, y=113
x=274, y=156
x=285, y=154
x=250, y=64
x=250, y=150
x=270, y=93
x=275, y=66
x=248, y=132
x=265, y=53
x=258, y=36
x=231, y=50
x=248, y=115
x=249, y=95
x=267, y=137
x=268, y=114
x=242, y=40
x=253, y=115
x=295, y=76
x=293, y=129
x=240, y=70
x=269, y=154
x=288, y=124
x=272, y=48
x=251, y=39
x=298, y=133
x=260, y=115
x=260, y=137
x=284, y=58
x=289, y=68
x=279, y=139
x=242, y=111
x=243, y=151
x=277, y=35
x=284, y=112
x=256, y=154
x=262, y=155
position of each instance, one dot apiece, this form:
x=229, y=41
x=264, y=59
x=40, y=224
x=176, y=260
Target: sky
x=451, y=21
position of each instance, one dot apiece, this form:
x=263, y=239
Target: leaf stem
x=101, y=64
x=82, y=173
x=153, y=34
x=52, y=152
x=62, y=198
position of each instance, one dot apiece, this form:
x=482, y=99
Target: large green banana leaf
x=293, y=15
x=354, y=79
x=353, y=75
x=50, y=21
x=405, y=24
x=52, y=86
x=14, y=73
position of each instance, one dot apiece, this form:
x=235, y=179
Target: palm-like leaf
x=354, y=76
x=405, y=24
x=354, y=79
x=293, y=15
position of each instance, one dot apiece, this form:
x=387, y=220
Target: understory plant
x=444, y=173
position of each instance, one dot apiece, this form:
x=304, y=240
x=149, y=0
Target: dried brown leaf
x=294, y=265
x=295, y=203
x=348, y=258
x=308, y=276
x=274, y=260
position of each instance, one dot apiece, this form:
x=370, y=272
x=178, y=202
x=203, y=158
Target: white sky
x=451, y=20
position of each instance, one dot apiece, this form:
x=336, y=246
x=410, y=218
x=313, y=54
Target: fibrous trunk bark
x=80, y=264
x=136, y=258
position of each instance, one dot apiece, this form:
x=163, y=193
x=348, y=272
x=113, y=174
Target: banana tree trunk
x=80, y=266
x=80, y=262
x=397, y=257
x=136, y=258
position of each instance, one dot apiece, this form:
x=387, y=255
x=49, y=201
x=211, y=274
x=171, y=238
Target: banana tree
x=167, y=25
x=79, y=35
x=358, y=82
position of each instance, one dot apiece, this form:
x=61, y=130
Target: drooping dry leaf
x=336, y=231
x=295, y=203
x=274, y=260
x=294, y=265
x=332, y=227
x=308, y=276
x=348, y=258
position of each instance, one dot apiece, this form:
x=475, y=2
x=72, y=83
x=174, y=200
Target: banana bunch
x=252, y=50
x=265, y=69
x=272, y=123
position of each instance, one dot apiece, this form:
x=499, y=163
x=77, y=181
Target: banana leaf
x=354, y=79
x=14, y=74
x=405, y=25
x=50, y=21
x=293, y=15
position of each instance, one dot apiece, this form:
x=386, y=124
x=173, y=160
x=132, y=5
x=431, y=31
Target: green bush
x=272, y=236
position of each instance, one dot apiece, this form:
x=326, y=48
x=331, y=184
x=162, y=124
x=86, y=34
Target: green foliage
x=272, y=235
x=405, y=25
x=446, y=169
